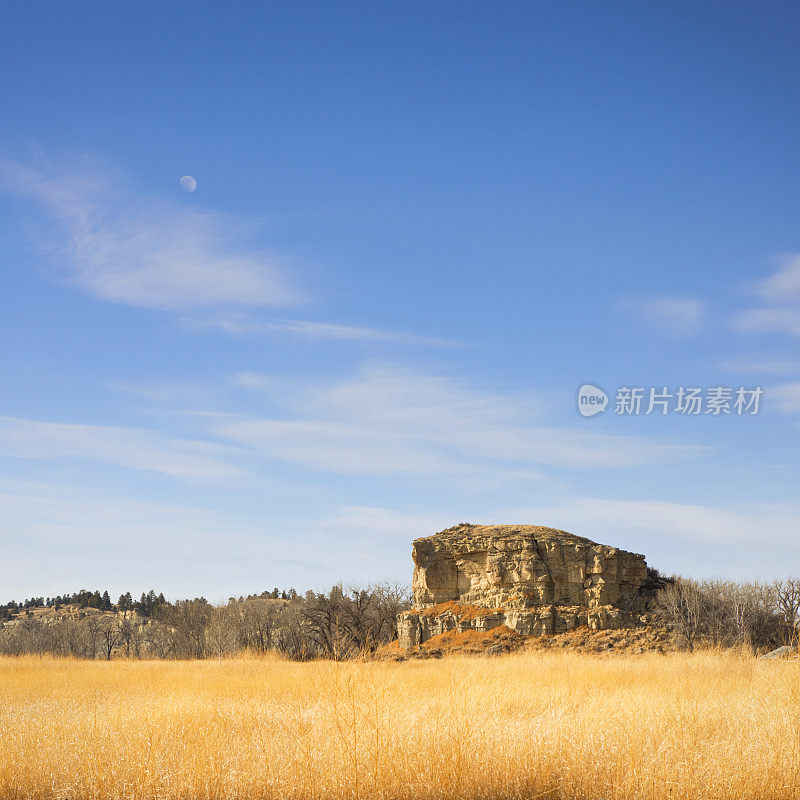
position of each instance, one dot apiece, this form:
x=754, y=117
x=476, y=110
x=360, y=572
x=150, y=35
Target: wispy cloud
x=694, y=523
x=239, y=325
x=677, y=316
x=784, y=284
x=391, y=421
x=766, y=366
x=377, y=538
x=131, y=448
x=779, y=309
x=693, y=539
x=786, y=397
x=122, y=246
x=146, y=251
x=167, y=391
x=67, y=537
x=769, y=320
x=373, y=524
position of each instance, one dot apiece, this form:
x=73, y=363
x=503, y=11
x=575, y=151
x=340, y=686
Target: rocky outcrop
x=532, y=579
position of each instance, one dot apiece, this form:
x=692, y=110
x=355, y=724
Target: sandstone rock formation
x=532, y=579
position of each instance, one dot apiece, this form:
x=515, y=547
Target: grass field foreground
x=556, y=725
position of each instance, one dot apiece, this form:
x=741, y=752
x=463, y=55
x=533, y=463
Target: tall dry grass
x=531, y=725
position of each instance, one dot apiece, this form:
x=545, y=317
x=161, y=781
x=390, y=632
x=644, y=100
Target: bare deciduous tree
x=682, y=603
x=787, y=598
x=109, y=636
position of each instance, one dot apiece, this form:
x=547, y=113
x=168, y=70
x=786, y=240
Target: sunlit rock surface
x=533, y=579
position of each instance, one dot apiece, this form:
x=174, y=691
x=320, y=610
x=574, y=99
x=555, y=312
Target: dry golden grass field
x=555, y=725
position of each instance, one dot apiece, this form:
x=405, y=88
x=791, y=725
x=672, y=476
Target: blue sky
x=418, y=229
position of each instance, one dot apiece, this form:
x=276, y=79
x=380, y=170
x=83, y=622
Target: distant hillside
x=337, y=624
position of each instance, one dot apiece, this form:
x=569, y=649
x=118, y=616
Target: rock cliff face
x=535, y=580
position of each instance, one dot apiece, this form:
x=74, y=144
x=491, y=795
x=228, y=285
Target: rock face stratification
x=533, y=579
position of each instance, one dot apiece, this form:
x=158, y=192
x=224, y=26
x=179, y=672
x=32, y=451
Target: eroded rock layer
x=533, y=579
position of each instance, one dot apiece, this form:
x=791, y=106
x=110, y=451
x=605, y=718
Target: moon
x=188, y=183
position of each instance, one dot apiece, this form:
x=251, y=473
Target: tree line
x=345, y=622
x=757, y=616
x=83, y=598
x=336, y=624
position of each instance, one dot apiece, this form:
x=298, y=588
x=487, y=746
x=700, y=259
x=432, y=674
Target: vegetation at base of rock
x=556, y=724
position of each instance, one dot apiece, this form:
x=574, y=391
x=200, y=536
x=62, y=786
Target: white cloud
x=380, y=523
x=44, y=511
x=779, y=311
x=786, y=397
x=239, y=325
x=768, y=320
x=131, y=448
x=167, y=391
x=692, y=523
x=371, y=543
x=701, y=541
x=67, y=537
x=783, y=285
x=390, y=421
x=698, y=540
x=680, y=316
x=766, y=366
x=145, y=251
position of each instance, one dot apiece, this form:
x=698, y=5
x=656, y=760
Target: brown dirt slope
x=502, y=639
